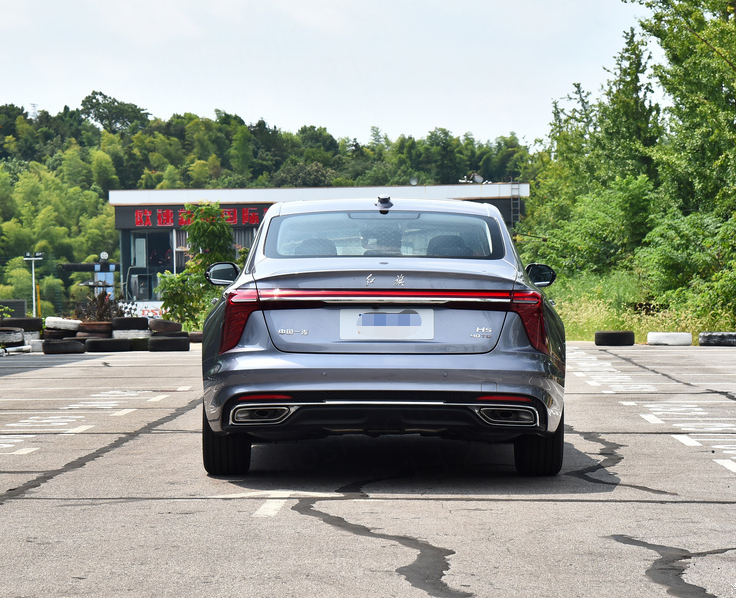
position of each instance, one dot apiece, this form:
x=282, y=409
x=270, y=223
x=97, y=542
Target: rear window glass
x=409, y=234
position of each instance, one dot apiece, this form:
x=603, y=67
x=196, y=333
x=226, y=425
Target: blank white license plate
x=386, y=324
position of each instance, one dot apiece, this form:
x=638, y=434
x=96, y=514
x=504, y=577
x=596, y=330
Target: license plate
x=386, y=324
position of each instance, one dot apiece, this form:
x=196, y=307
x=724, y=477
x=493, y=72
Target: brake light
x=529, y=306
x=239, y=305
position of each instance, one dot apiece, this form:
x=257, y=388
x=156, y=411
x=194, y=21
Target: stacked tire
x=60, y=337
x=11, y=337
x=31, y=328
x=167, y=336
x=122, y=334
x=128, y=334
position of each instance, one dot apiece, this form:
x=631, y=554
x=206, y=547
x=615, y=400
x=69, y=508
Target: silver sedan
x=385, y=316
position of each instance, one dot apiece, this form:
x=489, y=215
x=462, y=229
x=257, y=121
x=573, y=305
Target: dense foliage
x=56, y=172
x=638, y=203
x=632, y=202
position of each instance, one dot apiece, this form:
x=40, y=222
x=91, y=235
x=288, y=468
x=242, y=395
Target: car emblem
x=369, y=279
x=399, y=282
x=482, y=332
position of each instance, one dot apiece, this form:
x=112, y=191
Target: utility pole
x=33, y=259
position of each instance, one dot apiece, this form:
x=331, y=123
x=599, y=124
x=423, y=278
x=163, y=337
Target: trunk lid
x=386, y=305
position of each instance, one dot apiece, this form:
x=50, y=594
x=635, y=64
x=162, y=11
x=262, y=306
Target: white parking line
x=727, y=463
x=270, y=508
x=78, y=430
x=24, y=451
x=122, y=412
x=686, y=440
x=652, y=419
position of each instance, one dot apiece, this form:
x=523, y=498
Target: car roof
x=398, y=204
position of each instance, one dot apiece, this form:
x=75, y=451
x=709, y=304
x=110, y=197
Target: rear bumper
x=325, y=394
x=330, y=416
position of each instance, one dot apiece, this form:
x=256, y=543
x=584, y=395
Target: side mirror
x=541, y=274
x=222, y=274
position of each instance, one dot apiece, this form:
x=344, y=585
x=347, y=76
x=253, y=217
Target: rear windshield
x=409, y=234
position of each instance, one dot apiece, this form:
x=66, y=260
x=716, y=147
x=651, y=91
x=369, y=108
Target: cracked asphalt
x=102, y=492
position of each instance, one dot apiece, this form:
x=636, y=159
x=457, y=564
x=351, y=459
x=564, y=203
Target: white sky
x=488, y=67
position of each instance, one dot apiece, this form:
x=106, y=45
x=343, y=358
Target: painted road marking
x=49, y=423
x=10, y=441
x=78, y=430
x=158, y=398
x=24, y=451
x=122, y=412
x=270, y=508
x=727, y=463
x=686, y=440
x=689, y=415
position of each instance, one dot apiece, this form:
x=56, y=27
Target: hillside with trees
x=633, y=188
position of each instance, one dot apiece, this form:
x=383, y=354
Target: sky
x=484, y=67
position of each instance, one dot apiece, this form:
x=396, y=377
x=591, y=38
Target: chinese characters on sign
x=168, y=217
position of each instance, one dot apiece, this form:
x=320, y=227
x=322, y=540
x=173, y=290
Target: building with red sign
x=150, y=221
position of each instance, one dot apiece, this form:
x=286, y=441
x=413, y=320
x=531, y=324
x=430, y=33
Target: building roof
x=161, y=197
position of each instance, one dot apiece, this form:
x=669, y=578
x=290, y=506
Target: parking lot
x=102, y=491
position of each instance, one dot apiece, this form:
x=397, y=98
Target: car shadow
x=412, y=464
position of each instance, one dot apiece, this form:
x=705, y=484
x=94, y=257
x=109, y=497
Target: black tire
x=130, y=323
x=55, y=334
x=138, y=344
x=168, y=343
x=614, y=338
x=538, y=456
x=224, y=455
x=96, y=327
x=86, y=335
x=170, y=334
x=717, y=339
x=107, y=345
x=196, y=336
x=27, y=324
x=62, y=347
x=159, y=325
x=11, y=337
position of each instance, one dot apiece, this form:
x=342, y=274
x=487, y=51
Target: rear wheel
x=540, y=455
x=224, y=455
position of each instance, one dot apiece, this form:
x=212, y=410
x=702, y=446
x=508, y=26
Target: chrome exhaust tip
x=266, y=414
x=509, y=416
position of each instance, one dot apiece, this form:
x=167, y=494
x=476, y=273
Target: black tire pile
x=19, y=332
x=122, y=334
x=624, y=338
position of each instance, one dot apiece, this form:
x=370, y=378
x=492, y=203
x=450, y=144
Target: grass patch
x=615, y=302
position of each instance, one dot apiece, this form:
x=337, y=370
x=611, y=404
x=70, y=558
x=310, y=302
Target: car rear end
x=352, y=317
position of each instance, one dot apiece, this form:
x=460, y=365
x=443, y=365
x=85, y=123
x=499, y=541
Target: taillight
x=529, y=306
x=239, y=305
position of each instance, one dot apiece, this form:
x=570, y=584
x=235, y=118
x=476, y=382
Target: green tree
x=698, y=163
x=111, y=114
x=186, y=295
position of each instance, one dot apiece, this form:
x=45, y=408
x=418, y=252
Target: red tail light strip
x=241, y=303
x=383, y=295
